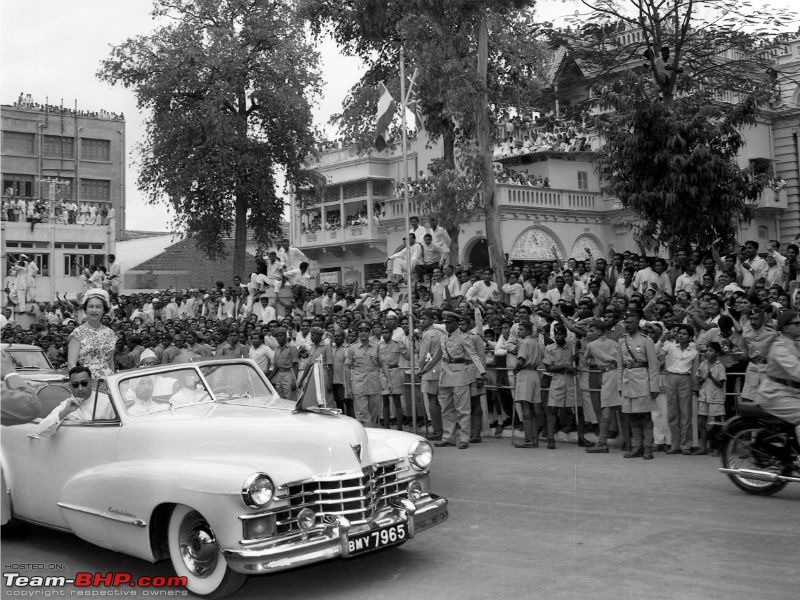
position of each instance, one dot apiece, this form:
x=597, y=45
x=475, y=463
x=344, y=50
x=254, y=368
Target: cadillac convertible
x=204, y=464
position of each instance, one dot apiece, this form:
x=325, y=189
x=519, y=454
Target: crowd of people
x=26, y=101
x=642, y=349
x=544, y=133
x=65, y=212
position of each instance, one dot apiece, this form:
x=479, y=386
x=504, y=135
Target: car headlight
x=421, y=455
x=258, y=490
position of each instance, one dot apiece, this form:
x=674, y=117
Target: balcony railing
x=346, y=235
x=771, y=199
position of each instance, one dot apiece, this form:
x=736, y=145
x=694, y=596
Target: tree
x=663, y=76
x=228, y=86
x=441, y=39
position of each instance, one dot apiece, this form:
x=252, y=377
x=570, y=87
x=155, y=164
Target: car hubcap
x=198, y=545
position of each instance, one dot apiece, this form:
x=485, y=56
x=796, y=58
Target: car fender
x=112, y=505
x=5, y=490
x=386, y=444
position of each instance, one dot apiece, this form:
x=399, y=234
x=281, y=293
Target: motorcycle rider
x=780, y=389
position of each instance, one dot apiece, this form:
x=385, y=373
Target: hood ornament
x=357, y=451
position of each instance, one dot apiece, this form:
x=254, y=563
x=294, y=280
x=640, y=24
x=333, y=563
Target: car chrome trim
x=126, y=519
x=330, y=539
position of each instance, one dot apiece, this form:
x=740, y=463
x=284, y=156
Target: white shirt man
x=399, y=258
x=290, y=256
x=484, y=289
x=79, y=408
x=418, y=230
x=440, y=236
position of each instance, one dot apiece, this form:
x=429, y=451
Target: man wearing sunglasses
x=76, y=409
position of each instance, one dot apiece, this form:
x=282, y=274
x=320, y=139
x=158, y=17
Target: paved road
x=543, y=524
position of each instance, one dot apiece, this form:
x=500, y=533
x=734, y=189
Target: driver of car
x=190, y=391
x=78, y=408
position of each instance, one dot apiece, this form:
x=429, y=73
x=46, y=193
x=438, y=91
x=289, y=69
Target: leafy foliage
x=228, y=86
x=672, y=117
x=440, y=39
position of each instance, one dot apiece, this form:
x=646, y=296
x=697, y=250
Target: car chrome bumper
x=330, y=539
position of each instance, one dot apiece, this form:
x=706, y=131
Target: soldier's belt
x=455, y=361
x=611, y=366
x=393, y=366
x=759, y=360
x=635, y=364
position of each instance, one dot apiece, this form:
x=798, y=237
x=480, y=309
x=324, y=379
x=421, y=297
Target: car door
x=55, y=460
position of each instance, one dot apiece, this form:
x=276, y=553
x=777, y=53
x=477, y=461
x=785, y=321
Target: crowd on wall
x=65, y=212
x=544, y=133
x=716, y=312
x=26, y=101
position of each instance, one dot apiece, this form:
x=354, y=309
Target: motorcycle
x=760, y=452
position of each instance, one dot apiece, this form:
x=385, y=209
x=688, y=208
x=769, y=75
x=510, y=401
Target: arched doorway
x=478, y=254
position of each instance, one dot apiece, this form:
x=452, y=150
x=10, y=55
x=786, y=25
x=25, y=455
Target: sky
x=52, y=49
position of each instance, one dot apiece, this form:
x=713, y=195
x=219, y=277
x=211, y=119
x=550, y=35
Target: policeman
x=456, y=353
x=362, y=364
x=780, y=389
x=429, y=381
x=640, y=384
x=284, y=367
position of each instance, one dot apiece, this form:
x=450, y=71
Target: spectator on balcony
x=72, y=212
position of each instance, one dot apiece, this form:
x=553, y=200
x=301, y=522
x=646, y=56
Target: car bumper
x=331, y=539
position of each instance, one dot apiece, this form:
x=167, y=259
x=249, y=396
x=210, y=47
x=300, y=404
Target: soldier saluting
x=456, y=353
x=640, y=383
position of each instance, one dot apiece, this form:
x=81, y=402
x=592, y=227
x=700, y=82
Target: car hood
x=289, y=446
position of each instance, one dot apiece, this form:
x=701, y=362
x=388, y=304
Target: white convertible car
x=204, y=464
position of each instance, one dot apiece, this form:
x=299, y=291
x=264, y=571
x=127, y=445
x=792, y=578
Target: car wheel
x=195, y=554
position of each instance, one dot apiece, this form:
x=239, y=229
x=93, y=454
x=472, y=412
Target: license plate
x=380, y=538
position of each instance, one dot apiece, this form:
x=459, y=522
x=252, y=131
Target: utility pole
x=52, y=183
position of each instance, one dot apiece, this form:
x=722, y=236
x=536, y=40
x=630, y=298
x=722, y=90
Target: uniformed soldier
x=640, y=384
x=362, y=364
x=455, y=353
x=476, y=390
x=559, y=362
x=284, y=368
x=391, y=353
x=429, y=374
x=527, y=386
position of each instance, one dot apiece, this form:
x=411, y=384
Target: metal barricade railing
x=736, y=393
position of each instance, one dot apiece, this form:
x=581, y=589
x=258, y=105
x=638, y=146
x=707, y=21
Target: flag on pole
x=311, y=388
x=414, y=106
x=387, y=108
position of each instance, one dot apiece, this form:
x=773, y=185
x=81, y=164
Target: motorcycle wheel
x=737, y=454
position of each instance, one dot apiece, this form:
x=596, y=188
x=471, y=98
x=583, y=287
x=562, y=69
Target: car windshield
x=151, y=392
x=27, y=359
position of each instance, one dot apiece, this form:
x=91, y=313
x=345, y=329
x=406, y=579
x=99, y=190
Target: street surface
x=540, y=524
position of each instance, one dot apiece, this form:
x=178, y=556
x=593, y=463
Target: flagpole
x=403, y=105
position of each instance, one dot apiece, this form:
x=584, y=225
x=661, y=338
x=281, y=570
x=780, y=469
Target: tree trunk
x=449, y=143
x=493, y=237
x=240, y=238
x=454, y=232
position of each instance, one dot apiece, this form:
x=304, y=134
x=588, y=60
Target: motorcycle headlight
x=421, y=455
x=258, y=490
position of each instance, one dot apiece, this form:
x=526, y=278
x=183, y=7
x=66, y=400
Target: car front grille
x=356, y=498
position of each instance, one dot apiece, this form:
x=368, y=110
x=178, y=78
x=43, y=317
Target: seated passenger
x=79, y=407
x=143, y=399
x=190, y=391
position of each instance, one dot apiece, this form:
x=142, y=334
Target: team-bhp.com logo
x=95, y=580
